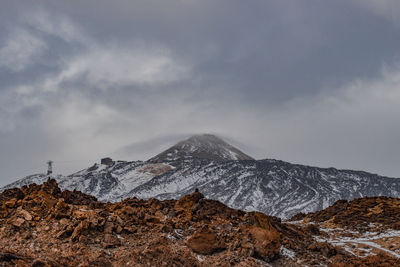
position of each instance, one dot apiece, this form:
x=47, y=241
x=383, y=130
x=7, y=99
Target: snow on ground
x=362, y=244
x=287, y=252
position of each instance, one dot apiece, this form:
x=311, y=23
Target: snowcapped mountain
x=204, y=146
x=222, y=172
x=274, y=187
x=106, y=182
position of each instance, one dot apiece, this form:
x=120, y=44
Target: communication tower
x=49, y=167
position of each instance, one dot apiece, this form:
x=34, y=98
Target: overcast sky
x=311, y=82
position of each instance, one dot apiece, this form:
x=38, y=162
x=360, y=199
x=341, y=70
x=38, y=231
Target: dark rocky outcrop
x=40, y=225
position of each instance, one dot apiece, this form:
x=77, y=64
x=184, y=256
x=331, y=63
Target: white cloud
x=20, y=50
x=94, y=65
x=55, y=24
x=105, y=66
x=355, y=127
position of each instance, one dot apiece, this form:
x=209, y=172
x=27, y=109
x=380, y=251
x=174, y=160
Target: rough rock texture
x=206, y=241
x=42, y=226
x=361, y=214
x=366, y=227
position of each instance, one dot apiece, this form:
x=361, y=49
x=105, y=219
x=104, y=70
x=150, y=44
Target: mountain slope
x=274, y=187
x=106, y=182
x=271, y=186
x=204, y=146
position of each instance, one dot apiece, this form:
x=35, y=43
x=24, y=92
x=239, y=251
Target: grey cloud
x=389, y=9
x=300, y=81
x=148, y=148
x=20, y=50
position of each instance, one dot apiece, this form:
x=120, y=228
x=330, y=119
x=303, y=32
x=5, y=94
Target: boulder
x=18, y=222
x=110, y=241
x=205, y=241
x=27, y=216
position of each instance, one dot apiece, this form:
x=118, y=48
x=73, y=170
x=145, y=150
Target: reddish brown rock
x=25, y=214
x=108, y=227
x=205, y=241
x=18, y=222
x=42, y=226
x=82, y=227
x=266, y=243
x=10, y=203
x=110, y=241
x=360, y=213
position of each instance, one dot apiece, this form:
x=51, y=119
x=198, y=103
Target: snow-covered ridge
x=204, y=162
x=273, y=187
x=106, y=182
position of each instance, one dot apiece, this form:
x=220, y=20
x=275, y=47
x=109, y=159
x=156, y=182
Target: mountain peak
x=204, y=146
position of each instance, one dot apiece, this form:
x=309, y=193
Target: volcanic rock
x=206, y=241
x=359, y=214
x=18, y=222
x=40, y=225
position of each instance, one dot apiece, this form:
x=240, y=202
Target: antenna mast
x=49, y=168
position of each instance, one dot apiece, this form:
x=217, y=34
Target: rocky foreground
x=40, y=225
